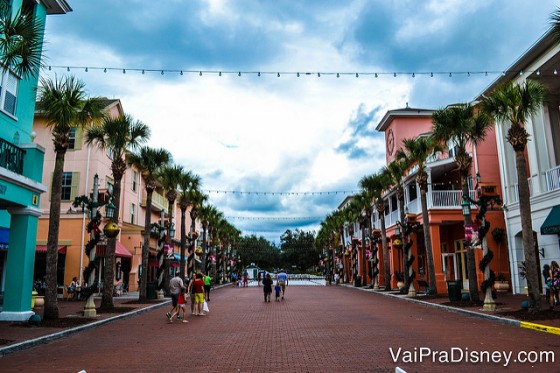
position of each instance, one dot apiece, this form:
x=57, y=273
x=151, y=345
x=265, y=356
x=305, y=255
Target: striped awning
x=42, y=249
x=120, y=251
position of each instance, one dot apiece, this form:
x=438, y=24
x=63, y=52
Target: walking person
x=207, y=287
x=283, y=281
x=277, y=291
x=267, y=287
x=190, y=292
x=548, y=285
x=198, y=287
x=181, y=309
x=555, y=276
x=175, y=286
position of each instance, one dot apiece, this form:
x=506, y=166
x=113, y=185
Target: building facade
x=21, y=161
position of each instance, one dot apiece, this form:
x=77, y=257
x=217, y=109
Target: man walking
x=283, y=281
x=207, y=287
x=175, y=286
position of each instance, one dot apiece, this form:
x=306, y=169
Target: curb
x=503, y=320
x=51, y=337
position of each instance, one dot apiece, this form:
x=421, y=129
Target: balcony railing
x=11, y=157
x=159, y=202
x=553, y=179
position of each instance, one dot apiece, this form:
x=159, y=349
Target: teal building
x=21, y=167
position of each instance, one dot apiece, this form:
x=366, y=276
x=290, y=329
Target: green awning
x=551, y=224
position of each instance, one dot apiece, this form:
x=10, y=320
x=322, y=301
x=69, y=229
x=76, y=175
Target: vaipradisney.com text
x=456, y=355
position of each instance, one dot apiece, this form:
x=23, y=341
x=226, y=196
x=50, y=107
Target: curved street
x=315, y=329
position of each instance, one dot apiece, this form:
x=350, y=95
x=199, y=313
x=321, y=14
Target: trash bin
x=151, y=290
x=454, y=290
x=358, y=281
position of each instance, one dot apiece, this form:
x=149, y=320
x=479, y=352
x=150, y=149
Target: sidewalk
x=508, y=309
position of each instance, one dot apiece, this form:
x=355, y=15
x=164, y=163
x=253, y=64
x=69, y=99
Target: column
x=20, y=264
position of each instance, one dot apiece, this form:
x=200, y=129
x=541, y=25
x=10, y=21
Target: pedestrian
x=245, y=279
x=283, y=281
x=277, y=290
x=181, y=306
x=267, y=287
x=198, y=287
x=259, y=278
x=207, y=287
x=336, y=278
x=547, y=284
x=555, y=276
x=73, y=289
x=190, y=292
x=175, y=286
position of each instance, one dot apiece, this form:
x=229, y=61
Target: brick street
x=315, y=329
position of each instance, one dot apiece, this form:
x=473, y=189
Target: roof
x=404, y=112
x=56, y=6
x=537, y=50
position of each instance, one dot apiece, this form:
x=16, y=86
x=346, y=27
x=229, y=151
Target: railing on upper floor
x=158, y=201
x=11, y=157
x=553, y=179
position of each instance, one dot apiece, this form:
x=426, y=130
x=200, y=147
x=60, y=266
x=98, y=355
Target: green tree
x=462, y=125
x=21, y=40
x=118, y=135
x=148, y=161
x=415, y=152
x=64, y=105
x=189, y=186
x=377, y=184
x=516, y=103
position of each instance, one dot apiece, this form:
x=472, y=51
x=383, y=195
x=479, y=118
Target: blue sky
x=285, y=148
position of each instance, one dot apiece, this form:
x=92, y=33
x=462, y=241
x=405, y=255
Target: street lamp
x=465, y=207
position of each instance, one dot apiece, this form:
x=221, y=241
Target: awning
x=551, y=224
x=43, y=249
x=120, y=250
x=4, y=238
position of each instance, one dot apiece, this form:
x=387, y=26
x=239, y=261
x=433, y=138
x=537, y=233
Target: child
x=277, y=290
x=181, y=309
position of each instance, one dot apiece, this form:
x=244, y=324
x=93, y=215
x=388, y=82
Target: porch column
x=20, y=264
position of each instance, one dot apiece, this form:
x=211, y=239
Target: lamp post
x=111, y=230
x=165, y=233
x=409, y=226
x=374, y=236
x=475, y=235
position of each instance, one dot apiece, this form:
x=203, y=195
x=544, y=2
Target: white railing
x=515, y=193
x=553, y=179
x=446, y=198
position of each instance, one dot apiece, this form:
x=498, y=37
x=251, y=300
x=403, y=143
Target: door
x=449, y=263
x=461, y=256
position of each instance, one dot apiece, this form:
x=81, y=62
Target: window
x=412, y=192
x=8, y=92
x=132, y=212
x=109, y=186
x=72, y=138
x=66, y=186
x=134, y=180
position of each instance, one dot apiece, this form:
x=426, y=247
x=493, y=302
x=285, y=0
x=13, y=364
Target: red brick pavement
x=316, y=329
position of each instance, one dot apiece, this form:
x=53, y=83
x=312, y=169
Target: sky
x=275, y=150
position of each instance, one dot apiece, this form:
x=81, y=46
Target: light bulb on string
x=68, y=68
x=555, y=72
x=220, y=73
x=357, y=75
x=239, y=73
x=259, y=73
x=413, y=75
x=376, y=75
x=105, y=70
x=161, y=72
x=278, y=75
x=143, y=72
x=200, y=73
x=86, y=69
x=124, y=71
x=318, y=75
x=181, y=72
x=337, y=75
x=431, y=75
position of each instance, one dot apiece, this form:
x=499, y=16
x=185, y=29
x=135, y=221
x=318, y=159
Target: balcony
x=11, y=157
x=159, y=202
x=553, y=179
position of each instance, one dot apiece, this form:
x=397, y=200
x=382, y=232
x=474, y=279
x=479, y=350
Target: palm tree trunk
x=428, y=242
x=51, y=306
x=471, y=262
x=109, y=272
x=146, y=247
x=386, y=264
x=527, y=231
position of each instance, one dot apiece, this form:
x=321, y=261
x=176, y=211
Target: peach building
x=82, y=163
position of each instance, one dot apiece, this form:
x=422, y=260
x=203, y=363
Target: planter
x=501, y=286
x=400, y=284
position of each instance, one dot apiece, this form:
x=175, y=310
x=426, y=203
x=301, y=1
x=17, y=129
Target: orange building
x=445, y=215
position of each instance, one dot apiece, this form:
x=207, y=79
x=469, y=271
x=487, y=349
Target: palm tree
x=169, y=177
x=21, y=40
x=395, y=171
x=516, y=103
x=416, y=152
x=461, y=125
x=64, y=105
x=361, y=205
x=118, y=135
x=377, y=184
x=191, y=197
x=188, y=183
x=148, y=161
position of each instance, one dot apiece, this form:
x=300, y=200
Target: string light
x=318, y=74
x=216, y=191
